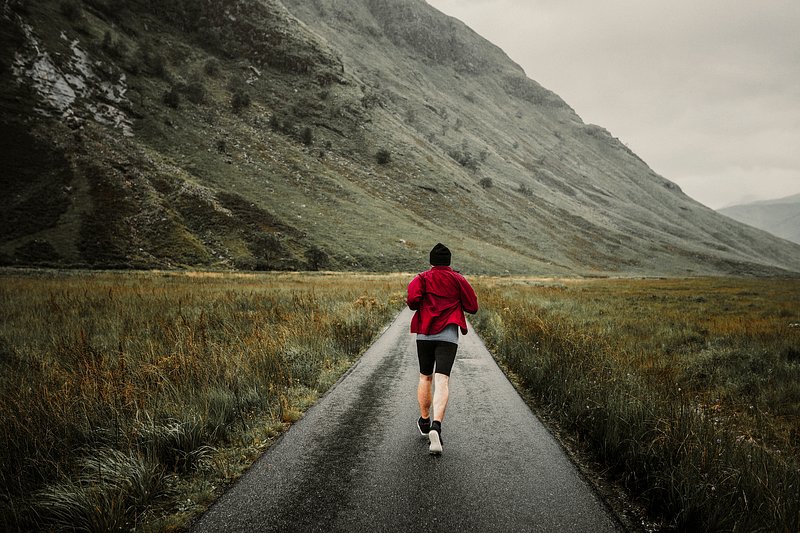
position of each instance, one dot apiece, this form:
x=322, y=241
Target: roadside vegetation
x=129, y=400
x=687, y=392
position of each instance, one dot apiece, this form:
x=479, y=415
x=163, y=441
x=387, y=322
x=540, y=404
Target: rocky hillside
x=320, y=134
x=780, y=217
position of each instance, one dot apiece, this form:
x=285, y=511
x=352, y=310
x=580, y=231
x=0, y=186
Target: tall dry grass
x=126, y=399
x=687, y=390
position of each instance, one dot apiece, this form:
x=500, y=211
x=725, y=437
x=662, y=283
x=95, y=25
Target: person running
x=440, y=296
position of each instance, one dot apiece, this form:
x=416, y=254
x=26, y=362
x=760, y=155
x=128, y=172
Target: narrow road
x=356, y=462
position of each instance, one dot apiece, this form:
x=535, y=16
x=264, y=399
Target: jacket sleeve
x=415, y=291
x=469, y=301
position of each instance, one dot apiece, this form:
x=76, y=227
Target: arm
x=469, y=301
x=415, y=291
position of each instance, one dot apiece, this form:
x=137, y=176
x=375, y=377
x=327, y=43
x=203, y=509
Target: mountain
x=320, y=134
x=780, y=217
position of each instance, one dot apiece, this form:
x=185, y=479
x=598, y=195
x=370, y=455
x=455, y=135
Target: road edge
x=613, y=497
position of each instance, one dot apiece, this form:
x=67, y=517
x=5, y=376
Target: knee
x=426, y=378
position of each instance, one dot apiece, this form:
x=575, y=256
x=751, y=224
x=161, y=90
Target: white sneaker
x=436, y=442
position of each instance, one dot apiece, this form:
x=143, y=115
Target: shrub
x=317, y=258
x=486, y=182
x=114, y=10
x=151, y=60
x=212, y=67
x=114, y=47
x=275, y=122
x=37, y=251
x=196, y=92
x=524, y=190
x=384, y=157
x=307, y=136
x=71, y=10
x=239, y=100
x=20, y=7
x=464, y=156
x=285, y=124
x=172, y=98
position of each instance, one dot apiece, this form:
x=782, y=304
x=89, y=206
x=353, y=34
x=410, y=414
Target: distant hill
x=320, y=134
x=780, y=217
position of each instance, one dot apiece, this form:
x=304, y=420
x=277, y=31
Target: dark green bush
x=274, y=122
x=240, y=100
x=384, y=157
x=464, y=157
x=71, y=10
x=307, y=136
x=196, y=92
x=114, y=47
x=212, y=67
x=172, y=98
x=150, y=60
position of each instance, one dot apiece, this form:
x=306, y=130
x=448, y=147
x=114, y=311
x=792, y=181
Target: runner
x=440, y=296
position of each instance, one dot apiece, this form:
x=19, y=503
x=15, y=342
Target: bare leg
x=442, y=385
x=424, y=395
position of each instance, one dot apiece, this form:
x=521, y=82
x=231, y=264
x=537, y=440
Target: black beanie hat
x=440, y=255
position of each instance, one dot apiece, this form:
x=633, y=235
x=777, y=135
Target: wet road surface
x=356, y=462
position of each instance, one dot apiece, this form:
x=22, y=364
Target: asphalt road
x=356, y=462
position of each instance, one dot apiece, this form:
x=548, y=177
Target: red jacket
x=440, y=296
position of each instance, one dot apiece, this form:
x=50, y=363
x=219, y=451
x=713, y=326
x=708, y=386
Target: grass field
x=129, y=399
x=685, y=391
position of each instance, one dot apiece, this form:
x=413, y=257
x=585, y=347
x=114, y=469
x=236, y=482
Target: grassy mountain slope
x=316, y=134
x=779, y=217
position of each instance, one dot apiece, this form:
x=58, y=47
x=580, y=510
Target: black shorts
x=440, y=353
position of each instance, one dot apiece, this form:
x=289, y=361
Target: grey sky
x=707, y=92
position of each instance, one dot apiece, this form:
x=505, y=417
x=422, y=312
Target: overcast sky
x=707, y=92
